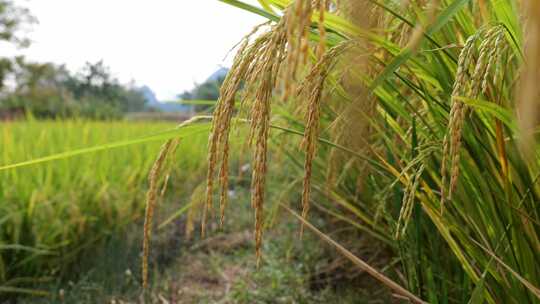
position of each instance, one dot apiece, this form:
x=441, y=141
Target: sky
x=167, y=45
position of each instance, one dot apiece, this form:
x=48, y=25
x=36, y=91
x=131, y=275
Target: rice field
x=53, y=211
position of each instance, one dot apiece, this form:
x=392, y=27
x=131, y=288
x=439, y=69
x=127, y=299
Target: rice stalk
x=398, y=289
x=529, y=93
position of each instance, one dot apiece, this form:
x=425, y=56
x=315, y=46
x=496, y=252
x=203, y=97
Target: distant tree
x=208, y=90
x=48, y=90
x=95, y=81
x=5, y=69
x=13, y=20
x=31, y=75
x=39, y=87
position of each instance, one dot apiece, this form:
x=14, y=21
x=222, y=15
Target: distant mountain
x=173, y=107
x=150, y=96
x=218, y=75
x=208, y=90
x=153, y=103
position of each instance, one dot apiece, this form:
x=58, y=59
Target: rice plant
x=436, y=170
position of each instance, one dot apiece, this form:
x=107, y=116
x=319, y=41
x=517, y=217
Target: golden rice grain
x=490, y=49
x=312, y=89
x=151, y=199
x=195, y=204
x=258, y=65
x=456, y=108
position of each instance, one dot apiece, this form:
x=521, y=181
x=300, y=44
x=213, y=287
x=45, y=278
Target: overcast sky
x=165, y=44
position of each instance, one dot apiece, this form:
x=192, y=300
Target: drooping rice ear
x=312, y=90
x=407, y=205
x=256, y=65
x=219, y=132
x=491, y=45
x=270, y=64
x=310, y=140
x=151, y=200
x=195, y=203
x=221, y=124
x=460, y=85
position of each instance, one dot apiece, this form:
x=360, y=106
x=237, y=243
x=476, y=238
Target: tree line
x=51, y=91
